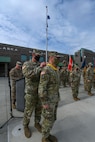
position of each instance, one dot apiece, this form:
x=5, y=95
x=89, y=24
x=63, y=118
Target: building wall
x=14, y=52
x=77, y=58
x=80, y=54
x=18, y=53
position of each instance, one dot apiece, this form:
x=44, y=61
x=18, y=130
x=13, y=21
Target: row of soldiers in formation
x=47, y=78
x=72, y=78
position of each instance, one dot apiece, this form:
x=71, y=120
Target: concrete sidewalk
x=75, y=120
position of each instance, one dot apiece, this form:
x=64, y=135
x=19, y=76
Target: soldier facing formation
x=31, y=71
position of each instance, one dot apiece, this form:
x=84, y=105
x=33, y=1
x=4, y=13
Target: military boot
x=90, y=94
x=46, y=139
x=85, y=88
x=76, y=98
x=38, y=127
x=13, y=106
x=53, y=138
x=27, y=131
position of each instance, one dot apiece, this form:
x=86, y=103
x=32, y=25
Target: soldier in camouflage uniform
x=49, y=95
x=31, y=71
x=68, y=77
x=84, y=77
x=74, y=79
x=63, y=76
x=64, y=63
x=89, y=78
x=94, y=78
x=15, y=74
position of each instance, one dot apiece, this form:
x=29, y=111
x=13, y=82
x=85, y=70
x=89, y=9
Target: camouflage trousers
x=13, y=94
x=85, y=85
x=32, y=103
x=93, y=84
x=64, y=82
x=49, y=117
x=89, y=86
x=75, y=89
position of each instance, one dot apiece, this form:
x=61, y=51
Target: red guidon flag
x=70, y=63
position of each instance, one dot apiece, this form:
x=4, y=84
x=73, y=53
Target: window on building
x=30, y=57
x=76, y=54
x=41, y=59
x=8, y=48
x=30, y=51
x=23, y=58
x=16, y=49
x=4, y=48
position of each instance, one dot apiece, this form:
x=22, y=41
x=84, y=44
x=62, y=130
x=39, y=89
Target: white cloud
x=70, y=28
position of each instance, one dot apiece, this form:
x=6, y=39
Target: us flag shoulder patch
x=23, y=67
x=43, y=72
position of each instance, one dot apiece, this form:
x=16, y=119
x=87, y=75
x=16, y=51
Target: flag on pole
x=48, y=17
x=70, y=63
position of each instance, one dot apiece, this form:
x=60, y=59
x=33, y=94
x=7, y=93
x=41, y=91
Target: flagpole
x=46, y=32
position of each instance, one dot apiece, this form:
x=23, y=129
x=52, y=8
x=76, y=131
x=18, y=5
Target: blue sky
x=71, y=25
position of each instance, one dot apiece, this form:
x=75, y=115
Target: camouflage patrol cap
x=90, y=64
x=19, y=63
x=55, y=54
x=75, y=66
x=36, y=52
